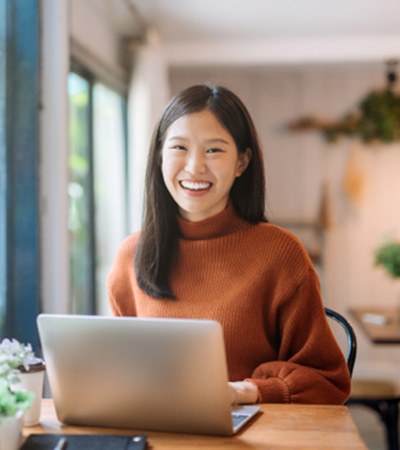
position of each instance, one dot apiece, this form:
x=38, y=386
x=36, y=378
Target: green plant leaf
x=388, y=256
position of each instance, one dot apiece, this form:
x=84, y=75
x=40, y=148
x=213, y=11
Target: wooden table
x=277, y=427
x=381, y=325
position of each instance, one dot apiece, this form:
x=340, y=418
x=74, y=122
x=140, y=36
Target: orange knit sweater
x=258, y=281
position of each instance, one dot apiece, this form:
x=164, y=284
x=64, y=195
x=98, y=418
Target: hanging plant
x=377, y=118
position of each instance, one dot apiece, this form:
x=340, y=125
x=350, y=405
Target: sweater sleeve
x=310, y=367
x=120, y=280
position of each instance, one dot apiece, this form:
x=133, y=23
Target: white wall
x=96, y=33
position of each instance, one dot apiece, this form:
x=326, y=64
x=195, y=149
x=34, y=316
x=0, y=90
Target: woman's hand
x=242, y=392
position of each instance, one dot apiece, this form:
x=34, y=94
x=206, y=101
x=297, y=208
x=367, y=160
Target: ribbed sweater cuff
x=273, y=390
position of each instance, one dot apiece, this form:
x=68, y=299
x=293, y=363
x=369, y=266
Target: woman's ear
x=244, y=159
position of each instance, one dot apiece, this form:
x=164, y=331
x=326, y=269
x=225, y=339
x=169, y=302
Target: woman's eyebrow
x=172, y=138
x=209, y=141
x=216, y=141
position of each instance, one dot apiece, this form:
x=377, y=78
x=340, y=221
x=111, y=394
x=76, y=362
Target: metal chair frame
x=350, y=334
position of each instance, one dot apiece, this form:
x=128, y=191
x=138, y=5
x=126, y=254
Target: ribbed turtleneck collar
x=224, y=223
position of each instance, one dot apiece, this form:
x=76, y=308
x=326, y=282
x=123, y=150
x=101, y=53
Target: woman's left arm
x=310, y=367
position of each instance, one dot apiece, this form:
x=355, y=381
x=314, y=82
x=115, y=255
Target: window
x=110, y=183
x=80, y=195
x=97, y=188
x=96, y=166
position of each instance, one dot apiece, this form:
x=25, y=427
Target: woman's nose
x=196, y=163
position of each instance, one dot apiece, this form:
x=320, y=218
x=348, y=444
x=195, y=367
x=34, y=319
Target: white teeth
x=195, y=186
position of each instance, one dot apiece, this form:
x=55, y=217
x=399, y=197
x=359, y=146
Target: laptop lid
x=140, y=373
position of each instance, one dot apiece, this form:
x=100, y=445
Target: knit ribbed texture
x=258, y=281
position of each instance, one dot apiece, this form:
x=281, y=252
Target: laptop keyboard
x=238, y=419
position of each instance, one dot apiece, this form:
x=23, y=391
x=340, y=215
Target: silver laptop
x=139, y=373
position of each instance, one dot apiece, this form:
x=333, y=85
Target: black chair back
x=350, y=335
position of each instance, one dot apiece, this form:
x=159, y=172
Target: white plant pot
x=32, y=381
x=10, y=432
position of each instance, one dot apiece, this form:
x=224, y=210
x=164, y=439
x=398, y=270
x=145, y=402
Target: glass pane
x=110, y=185
x=79, y=194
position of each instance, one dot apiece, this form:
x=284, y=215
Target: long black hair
x=158, y=242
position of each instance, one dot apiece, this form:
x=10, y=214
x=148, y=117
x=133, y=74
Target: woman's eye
x=178, y=147
x=214, y=150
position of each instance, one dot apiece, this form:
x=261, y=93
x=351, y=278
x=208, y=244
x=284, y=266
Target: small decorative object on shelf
x=23, y=371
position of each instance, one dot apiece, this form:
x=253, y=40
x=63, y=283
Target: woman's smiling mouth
x=195, y=185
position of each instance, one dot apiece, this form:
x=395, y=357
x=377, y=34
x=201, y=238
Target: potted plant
x=13, y=404
x=23, y=371
x=388, y=256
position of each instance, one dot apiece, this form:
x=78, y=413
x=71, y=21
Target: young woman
x=207, y=251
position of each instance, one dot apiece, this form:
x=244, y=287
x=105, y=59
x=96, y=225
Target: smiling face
x=200, y=162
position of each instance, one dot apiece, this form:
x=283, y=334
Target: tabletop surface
x=381, y=325
x=278, y=426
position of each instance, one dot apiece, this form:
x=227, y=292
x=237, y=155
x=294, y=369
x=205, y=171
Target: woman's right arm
x=121, y=279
